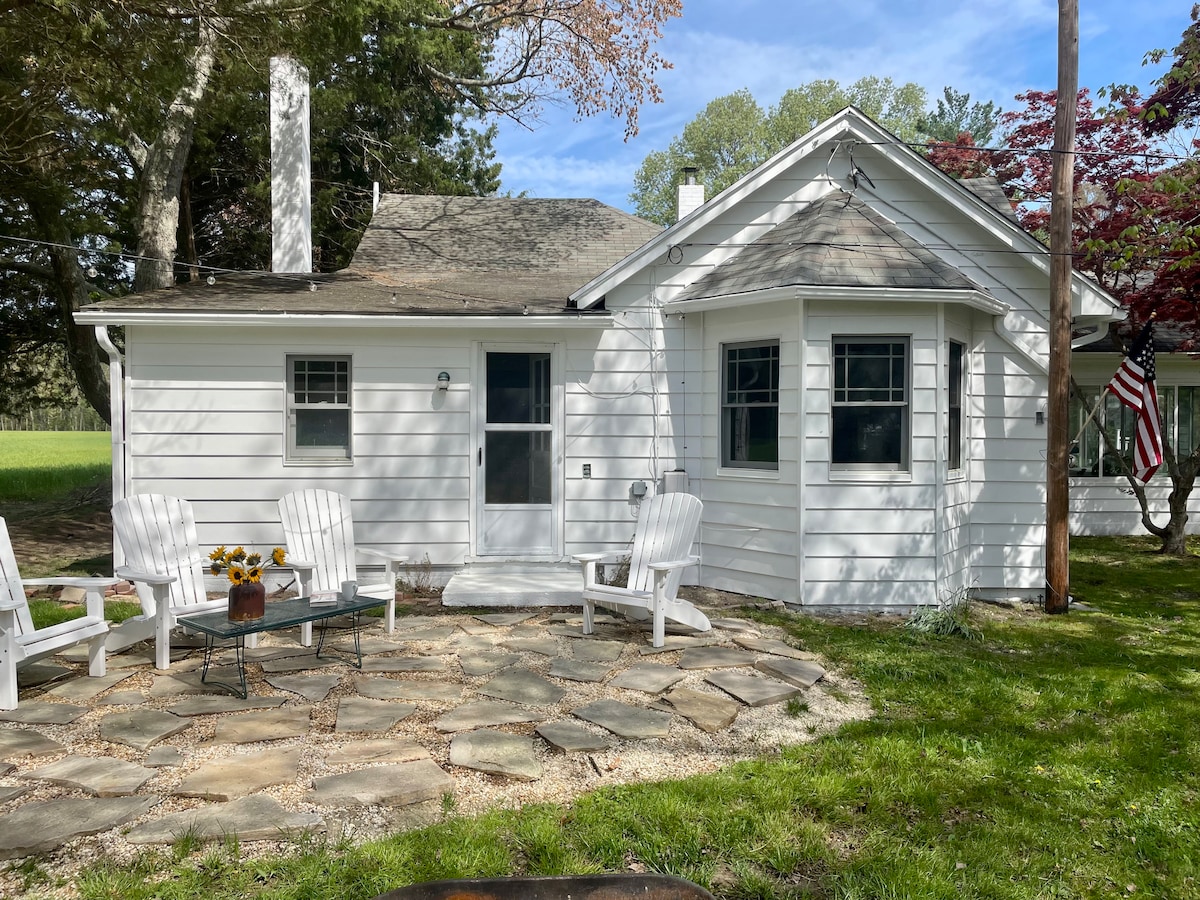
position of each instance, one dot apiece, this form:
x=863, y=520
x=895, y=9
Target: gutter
x=970, y=298
x=101, y=317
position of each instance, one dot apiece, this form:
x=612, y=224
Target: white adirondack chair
x=22, y=644
x=667, y=525
x=163, y=560
x=319, y=530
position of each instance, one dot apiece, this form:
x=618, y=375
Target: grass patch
x=36, y=465
x=1054, y=757
x=46, y=611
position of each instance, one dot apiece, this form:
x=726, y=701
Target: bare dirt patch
x=74, y=532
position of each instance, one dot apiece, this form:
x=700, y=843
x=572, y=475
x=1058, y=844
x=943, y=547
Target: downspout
x=940, y=432
x=116, y=400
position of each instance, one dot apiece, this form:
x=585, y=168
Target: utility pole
x=1058, y=401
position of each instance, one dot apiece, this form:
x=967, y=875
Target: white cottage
x=844, y=355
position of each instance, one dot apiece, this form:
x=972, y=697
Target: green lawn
x=36, y=465
x=1054, y=757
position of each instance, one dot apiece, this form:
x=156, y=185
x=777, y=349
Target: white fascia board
x=274, y=320
x=969, y=298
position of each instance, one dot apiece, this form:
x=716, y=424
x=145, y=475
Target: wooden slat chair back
x=667, y=526
x=21, y=643
x=164, y=561
x=318, y=526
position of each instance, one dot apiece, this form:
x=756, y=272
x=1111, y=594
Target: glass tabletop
x=278, y=614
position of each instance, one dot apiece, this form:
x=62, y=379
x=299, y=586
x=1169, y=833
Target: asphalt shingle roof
x=437, y=256
x=837, y=240
x=988, y=189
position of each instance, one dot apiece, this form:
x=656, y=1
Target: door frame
x=557, y=424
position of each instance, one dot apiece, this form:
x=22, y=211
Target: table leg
x=355, y=623
x=239, y=649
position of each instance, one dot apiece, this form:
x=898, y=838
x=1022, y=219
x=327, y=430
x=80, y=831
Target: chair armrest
x=596, y=557
x=674, y=564
x=301, y=564
x=87, y=582
x=378, y=554
x=9, y=605
x=151, y=578
x=93, y=587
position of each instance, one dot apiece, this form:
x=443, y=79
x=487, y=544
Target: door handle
x=480, y=462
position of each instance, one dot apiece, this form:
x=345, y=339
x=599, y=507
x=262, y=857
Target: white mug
x=349, y=589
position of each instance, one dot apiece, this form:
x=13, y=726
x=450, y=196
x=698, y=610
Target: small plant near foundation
x=416, y=579
x=951, y=617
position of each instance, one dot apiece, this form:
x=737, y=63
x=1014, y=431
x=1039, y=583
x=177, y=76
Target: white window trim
x=955, y=473
x=904, y=467
x=752, y=469
x=303, y=456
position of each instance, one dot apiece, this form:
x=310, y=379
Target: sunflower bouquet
x=242, y=567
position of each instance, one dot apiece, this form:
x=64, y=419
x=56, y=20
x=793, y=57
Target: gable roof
x=502, y=249
x=836, y=241
x=849, y=126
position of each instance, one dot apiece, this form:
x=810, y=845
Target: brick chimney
x=291, y=168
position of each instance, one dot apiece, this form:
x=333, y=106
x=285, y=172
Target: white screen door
x=516, y=455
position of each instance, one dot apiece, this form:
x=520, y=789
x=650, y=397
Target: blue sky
x=991, y=49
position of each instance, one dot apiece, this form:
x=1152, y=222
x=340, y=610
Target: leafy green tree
x=955, y=115
x=733, y=135
x=101, y=103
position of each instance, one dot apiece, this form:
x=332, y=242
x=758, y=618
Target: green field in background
x=38, y=464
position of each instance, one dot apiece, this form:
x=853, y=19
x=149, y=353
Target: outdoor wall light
x=443, y=381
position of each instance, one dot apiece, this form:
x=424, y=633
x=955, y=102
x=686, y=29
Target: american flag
x=1134, y=386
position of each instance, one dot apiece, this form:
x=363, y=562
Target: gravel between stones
x=686, y=750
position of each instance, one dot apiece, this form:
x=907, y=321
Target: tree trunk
x=162, y=172
x=1174, y=535
x=71, y=292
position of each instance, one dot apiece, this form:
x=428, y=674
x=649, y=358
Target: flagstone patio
x=450, y=711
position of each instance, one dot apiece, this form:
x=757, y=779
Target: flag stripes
x=1134, y=386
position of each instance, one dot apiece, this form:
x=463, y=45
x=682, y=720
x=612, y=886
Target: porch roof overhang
x=966, y=297
x=570, y=319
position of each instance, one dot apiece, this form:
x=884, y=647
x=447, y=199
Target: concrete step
x=506, y=586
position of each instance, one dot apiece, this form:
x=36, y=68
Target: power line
x=125, y=256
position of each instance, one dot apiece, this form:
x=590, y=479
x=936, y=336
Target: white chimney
x=291, y=168
x=691, y=194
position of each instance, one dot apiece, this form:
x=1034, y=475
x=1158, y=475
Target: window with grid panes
x=750, y=405
x=319, y=408
x=870, y=409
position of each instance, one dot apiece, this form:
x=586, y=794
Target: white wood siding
x=848, y=560
x=750, y=531
x=206, y=421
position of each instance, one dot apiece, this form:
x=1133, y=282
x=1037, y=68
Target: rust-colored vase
x=247, y=602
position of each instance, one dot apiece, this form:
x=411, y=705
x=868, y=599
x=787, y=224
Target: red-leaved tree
x=1136, y=210
x=1136, y=218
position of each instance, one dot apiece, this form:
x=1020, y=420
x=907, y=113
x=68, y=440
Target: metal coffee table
x=279, y=614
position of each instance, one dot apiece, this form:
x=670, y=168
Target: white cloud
x=991, y=49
